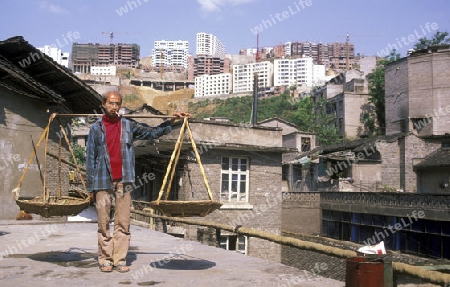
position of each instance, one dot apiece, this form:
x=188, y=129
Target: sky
x=374, y=27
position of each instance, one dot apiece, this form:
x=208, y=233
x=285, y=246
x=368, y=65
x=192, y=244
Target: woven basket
x=179, y=208
x=64, y=206
x=45, y=205
x=185, y=208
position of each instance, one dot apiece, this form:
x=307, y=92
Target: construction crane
x=111, y=36
x=347, y=45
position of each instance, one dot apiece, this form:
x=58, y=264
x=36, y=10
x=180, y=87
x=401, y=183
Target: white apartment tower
x=243, y=76
x=209, y=45
x=297, y=72
x=213, y=85
x=170, y=53
x=287, y=49
x=56, y=55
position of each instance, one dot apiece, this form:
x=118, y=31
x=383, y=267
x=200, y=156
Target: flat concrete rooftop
x=40, y=253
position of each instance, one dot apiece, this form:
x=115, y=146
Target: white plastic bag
x=373, y=249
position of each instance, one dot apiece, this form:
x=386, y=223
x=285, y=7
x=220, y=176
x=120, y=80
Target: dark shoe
x=106, y=267
x=122, y=268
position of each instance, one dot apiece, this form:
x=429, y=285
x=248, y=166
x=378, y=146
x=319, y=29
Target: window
x=306, y=144
x=234, y=179
x=234, y=243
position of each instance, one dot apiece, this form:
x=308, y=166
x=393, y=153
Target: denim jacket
x=98, y=166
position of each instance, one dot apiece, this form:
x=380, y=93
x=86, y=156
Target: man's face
x=112, y=105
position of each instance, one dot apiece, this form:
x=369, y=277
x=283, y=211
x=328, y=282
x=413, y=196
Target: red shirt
x=113, y=135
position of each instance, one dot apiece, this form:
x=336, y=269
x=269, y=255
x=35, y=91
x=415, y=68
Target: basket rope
x=174, y=160
x=74, y=159
x=44, y=137
x=44, y=133
x=194, y=146
x=177, y=156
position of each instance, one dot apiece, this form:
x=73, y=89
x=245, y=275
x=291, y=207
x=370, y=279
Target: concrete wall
x=352, y=111
x=275, y=123
x=397, y=97
x=294, y=140
x=416, y=148
x=231, y=134
x=367, y=64
x=301, y=213
x=417, y=88
x=366, y=172
x=332, y=90
x=429, y=84
x=398, y=158
x=428, y=180
x=21, y=119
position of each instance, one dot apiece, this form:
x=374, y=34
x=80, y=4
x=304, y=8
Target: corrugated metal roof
x=27, y=71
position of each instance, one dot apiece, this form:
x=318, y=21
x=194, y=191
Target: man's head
x=111, y=103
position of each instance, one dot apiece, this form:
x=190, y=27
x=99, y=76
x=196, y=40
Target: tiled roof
x=355, y=145
x=29, y=72
x=438, y=158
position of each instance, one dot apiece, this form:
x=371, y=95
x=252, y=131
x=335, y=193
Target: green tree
x=303, y=116
x=437, y=39
x=377, y=98
x=323, y=123
x=79, y=153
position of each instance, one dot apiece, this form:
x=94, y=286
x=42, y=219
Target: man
x=110, y=172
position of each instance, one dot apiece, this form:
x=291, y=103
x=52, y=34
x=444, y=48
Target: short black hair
x=111, y=92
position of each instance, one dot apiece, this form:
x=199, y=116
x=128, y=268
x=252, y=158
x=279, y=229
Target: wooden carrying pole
x=124, y=116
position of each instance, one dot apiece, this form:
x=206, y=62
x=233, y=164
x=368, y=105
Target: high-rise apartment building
x=337, y=56
x=243, y=76
x=297, y=72
x=84, y=56
x=342, y=55
x=207, y=65
x=287, y=49
x=209, y=45
x=56, y=54
x=213, y=85
x=170, y=53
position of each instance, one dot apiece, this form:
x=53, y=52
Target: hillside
x=239, y=109
x=167, y=102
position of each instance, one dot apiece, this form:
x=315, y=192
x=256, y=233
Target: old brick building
x=418, y=104
x=243, y=166
x=411, y=163
x=32, y=86
x=345, y=98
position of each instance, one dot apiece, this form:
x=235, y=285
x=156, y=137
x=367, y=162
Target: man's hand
x=179, y=116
